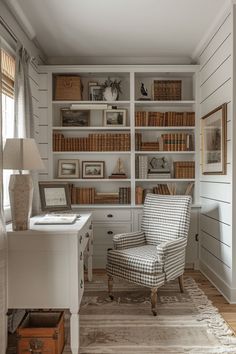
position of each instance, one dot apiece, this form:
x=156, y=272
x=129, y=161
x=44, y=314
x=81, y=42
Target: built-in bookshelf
x=135, y=130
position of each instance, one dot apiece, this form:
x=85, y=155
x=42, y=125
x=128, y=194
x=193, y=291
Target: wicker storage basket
x=167, y=90
x=67, y=87
x=41, y=332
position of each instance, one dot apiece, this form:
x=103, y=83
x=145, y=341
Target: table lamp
x=21, y=154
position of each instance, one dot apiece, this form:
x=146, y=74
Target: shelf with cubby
x=131, y=100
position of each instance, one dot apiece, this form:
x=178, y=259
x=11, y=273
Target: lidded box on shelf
x=67, y=88
x=41, y=332
x=167, y=90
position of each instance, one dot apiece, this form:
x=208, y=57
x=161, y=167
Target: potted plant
x=111, y=89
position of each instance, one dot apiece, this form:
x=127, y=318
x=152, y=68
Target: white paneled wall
x=215, y=88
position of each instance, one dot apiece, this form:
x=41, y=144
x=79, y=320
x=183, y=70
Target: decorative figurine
x=119, y=171
x=144, y=92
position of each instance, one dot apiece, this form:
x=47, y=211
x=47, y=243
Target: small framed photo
x=95, y=93
x=68, y=168
x=213, y=130
x=74, y=118
x=93, y=169
x=115, y=117
x=54, y=196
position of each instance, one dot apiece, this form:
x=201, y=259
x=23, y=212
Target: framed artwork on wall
x=213, y=131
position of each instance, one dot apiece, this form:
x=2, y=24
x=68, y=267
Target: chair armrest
x=129, y=240
x=168, y=248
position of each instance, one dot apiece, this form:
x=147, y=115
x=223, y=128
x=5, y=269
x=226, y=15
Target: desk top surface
x=62, y=228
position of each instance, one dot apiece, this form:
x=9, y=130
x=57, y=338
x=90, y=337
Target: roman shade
x=8, y=73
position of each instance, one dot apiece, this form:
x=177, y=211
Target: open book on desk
x=57, y=219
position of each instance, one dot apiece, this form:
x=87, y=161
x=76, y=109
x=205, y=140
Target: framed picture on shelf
x=54, y=196
x=93, y=169
x=213, y=130
x=95, y=93
x=115, y=117
x=68, y=168
x=74, y=118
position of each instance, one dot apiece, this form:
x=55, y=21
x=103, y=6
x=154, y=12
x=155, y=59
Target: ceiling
x=117, y=28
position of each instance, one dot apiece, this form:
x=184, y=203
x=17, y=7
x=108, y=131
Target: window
x=8, y=76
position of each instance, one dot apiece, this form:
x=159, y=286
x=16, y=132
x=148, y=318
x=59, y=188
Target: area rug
x=185, y=323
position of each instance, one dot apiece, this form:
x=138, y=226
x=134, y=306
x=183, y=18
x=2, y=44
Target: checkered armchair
x=156, y=253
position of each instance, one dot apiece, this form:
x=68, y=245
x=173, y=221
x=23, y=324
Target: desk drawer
x=110, y=215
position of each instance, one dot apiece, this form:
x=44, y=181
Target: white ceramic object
x=108, y=95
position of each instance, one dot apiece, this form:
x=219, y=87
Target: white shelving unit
x=117, y=218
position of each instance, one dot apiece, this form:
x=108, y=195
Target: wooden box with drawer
x=41, y=332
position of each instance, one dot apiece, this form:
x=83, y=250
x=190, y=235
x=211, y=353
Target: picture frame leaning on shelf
x=93, y=169
x=68, y=168
x=115, y=117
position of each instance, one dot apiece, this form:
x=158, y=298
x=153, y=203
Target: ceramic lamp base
x=21, y=197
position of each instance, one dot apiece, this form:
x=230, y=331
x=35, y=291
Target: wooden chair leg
x=181, y=283
x=154, y=301
x=110, y=287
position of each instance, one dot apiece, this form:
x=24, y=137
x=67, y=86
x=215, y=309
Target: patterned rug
x=185, y=323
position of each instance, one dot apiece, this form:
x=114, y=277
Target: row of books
x=90, y=196
x=176, y=142
x=184, y=169
x=94, y=142
x=166, y=142
x=164, y=119
x=164, y=189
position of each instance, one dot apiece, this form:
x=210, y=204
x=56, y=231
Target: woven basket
x=67, y=88
x=167, y=90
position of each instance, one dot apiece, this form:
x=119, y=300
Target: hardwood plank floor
x=227, y=310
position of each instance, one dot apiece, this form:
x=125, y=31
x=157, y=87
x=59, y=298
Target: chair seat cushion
x=142, y=259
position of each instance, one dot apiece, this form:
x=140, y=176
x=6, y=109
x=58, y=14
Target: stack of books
x=107, y=198
x=160, y=173
x=150, y=146
x=162, y=189
x=82, y=195
x=139, y=195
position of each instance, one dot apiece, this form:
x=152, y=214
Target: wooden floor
x=227, y=311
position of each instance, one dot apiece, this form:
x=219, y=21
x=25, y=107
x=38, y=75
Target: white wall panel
x=221, y=95
x=219, y=37
x=217, y=191
x=219, y=211
x=218, y=249
x=217, y=229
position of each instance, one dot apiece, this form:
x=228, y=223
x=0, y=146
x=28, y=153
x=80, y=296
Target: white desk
x=46, y=268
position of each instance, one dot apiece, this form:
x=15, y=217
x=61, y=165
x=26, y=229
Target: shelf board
x=165, y=128
x=114, y=103
x=100, y=206
x=90, y=152
x=91, y=180
x=165, y=180
x=165, y=152
x=165, y=103
x=89, y=128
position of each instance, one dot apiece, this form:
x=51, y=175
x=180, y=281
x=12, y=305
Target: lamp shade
x=21, y=154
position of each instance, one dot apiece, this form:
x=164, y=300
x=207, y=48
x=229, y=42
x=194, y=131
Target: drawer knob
x=87, y=235
x=109, y=232
x=109, y=215
x=80, y=239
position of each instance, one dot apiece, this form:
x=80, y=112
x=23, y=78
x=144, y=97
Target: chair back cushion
x=165, y=217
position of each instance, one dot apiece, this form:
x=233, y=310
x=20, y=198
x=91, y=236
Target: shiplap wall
x=215, y=88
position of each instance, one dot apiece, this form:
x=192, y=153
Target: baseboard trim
x=225, y=290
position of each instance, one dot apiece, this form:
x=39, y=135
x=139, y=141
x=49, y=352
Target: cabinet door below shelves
x=103, y=239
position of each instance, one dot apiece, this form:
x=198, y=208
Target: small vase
x=108, y=95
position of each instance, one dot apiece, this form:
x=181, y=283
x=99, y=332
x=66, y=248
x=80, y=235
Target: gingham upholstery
x=156, y=253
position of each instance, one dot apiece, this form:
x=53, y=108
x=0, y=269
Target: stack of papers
x=55, y=219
